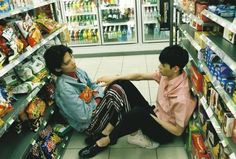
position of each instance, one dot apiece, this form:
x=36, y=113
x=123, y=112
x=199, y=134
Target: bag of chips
x=29, y=30
x=35, y=108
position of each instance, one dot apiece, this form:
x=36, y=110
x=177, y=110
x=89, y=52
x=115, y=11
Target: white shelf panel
x=149, y=5
x=26, y=8
x=219, y=20
x=29, y=51
x=131, y=22
x=84, y=13
x=196, y=19
x=224, y=95
x=224, y=57
x=189, y=37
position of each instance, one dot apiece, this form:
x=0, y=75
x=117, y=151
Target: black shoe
x=90, y=140
x=91, y=151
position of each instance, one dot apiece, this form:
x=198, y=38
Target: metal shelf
x=226, y=142
x=84, y=13
x=149, y=5
x=225, y=96
x=24, y=140
x=26, y=8
x=224, y=49
x=30, y=51
x=20, y=105
x=189, y=33
x=130, y=22
x=191, y=50
x=227, y=23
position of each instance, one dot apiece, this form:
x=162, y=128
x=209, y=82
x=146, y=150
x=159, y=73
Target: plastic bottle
x=105, y=34
x=129, y=33
x=114, y=33
x=124, y=34
x=156, y=32
x=119, y=34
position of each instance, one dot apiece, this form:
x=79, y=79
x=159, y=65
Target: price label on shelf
x=33, y=142
x=45, y=123
x=203, y=101
x=232, y=156
x=224, y=143
x=10, y=121
x=209, y=112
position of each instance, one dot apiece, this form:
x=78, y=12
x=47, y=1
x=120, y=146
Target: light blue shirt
x=76, y=111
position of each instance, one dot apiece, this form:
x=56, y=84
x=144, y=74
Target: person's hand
x=105, y=80
x=98, y=100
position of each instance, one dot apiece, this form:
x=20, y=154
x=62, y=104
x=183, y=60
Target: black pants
x=139, y=118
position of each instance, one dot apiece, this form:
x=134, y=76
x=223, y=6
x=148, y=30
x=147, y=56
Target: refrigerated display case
x=118, y=21
x=154, y=15
x=83, y=22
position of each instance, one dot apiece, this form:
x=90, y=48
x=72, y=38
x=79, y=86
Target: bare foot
x=103, y=141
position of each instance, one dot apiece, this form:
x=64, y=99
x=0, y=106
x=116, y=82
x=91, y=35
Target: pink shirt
x=174, y=102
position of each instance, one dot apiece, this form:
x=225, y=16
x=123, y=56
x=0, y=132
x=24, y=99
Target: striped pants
x=110, y=110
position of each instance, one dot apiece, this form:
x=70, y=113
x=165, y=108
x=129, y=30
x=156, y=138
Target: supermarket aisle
x=98, y=66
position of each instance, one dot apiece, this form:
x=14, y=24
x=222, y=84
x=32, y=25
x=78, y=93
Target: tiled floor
x=99, y=66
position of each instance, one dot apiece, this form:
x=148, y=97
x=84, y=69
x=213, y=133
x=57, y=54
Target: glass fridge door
x=118, y=21
x=82, y=19
x=155, y=20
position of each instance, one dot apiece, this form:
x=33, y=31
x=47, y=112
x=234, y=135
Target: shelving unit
x=26, y=8
x=226, y=52
x=18, y=145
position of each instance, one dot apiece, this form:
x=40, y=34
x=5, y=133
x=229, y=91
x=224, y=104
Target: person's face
x=165, y=70
x=68, y=64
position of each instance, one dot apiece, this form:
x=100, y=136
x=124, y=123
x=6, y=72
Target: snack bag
x=86, y=94
x=47, y=25
x=29, y=30
x=9, y=43
x=36, y=108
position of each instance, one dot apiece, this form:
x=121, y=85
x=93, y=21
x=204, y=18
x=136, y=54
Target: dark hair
x=174, y=56
x=54, y=57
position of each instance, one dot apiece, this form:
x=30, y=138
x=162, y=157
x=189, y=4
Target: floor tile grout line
x=95, y=76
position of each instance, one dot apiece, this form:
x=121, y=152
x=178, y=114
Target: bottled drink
x=119, y=34
x=129, y=33
x=72, y=35
x=89, y=35
x=109, y=17
x=94, y=36
x=80, y=36
x=85, y=35
x=146, y=29
x=76, y=35
x=110, y=33
x=156, y=33
x=105, y=34
x=133, y=29
x=93, y=6
x=114, y=33
x=95, y=22
x=124, y=34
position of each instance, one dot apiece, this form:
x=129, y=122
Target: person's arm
x=174, y=129
x=98, y=90
x=133, y=77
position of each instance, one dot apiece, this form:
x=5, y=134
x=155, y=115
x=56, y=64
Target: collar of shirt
x=174, y=83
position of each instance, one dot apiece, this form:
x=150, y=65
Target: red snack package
x=29, y=30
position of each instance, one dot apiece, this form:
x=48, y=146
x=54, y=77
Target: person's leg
x=131, y=122
x=135, y=98
x=156, y=132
